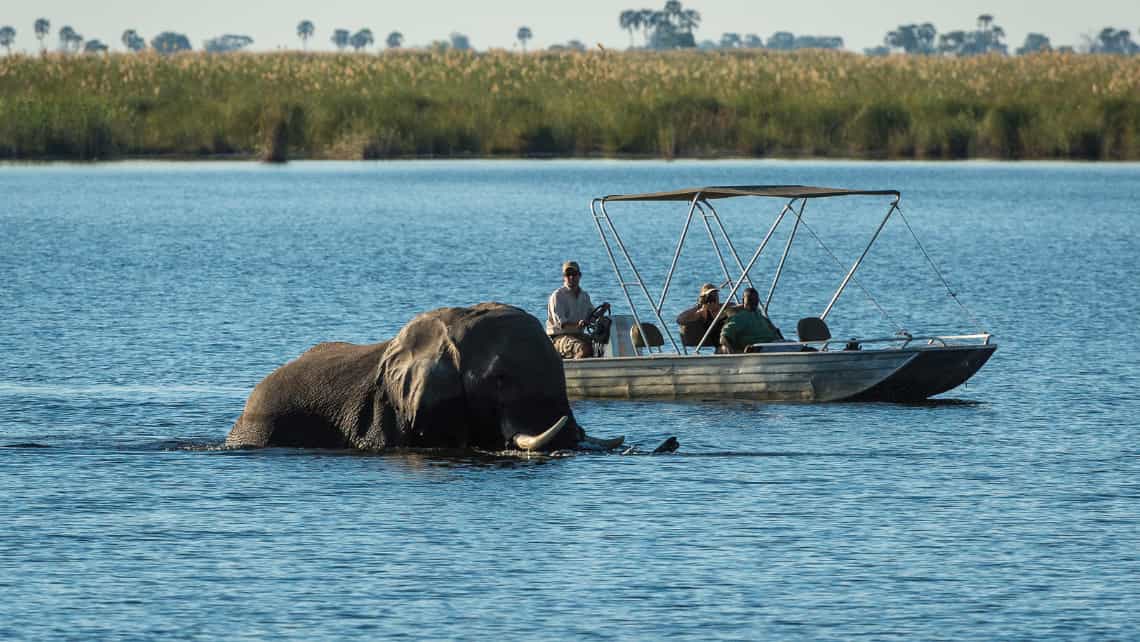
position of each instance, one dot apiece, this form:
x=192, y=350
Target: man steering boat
x=567, y=314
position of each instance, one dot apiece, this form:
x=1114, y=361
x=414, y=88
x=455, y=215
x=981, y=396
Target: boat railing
x=900, y=341
x=854, y=343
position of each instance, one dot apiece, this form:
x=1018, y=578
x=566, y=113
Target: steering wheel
x=598, y=324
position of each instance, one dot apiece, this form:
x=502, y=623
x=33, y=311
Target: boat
x=641, y=356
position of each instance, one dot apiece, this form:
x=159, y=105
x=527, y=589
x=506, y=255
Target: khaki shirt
x=564, y=307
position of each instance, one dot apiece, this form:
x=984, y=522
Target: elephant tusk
x=603, y=444
x=536, y=442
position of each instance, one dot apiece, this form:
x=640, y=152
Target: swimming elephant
x=485, y=377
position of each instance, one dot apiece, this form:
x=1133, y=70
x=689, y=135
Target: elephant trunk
x=597, y=443
x=538, y=442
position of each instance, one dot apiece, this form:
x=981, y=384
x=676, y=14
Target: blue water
x=140, y=303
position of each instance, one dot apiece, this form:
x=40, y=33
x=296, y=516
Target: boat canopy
x=730, y=191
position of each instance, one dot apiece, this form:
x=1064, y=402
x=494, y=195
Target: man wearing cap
x=566, y=313
x=697, y=319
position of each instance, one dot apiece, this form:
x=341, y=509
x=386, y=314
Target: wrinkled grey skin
x=452, y=378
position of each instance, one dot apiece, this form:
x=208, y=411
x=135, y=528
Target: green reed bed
x=596, y=104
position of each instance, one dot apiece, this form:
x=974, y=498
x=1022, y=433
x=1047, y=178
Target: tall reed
x=408, y=103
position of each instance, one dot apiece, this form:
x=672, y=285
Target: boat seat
x=813, y=329
x=652, y=339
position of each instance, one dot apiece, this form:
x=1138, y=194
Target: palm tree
x=672, y=8
x=984, y=21
x=395, y=40
x=645, y=19
x=523, y=35
x=43, y=28
x=689, y=19
x=305, y=31
x=7, y=37
x=361, y=39
x=69, y=38
x=340, y=38
x=629, y=20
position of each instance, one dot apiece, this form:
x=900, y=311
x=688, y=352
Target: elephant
x=485, y=377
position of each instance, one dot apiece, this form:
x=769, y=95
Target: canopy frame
x=699, y=202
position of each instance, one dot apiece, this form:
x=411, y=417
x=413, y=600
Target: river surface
x=141, y=302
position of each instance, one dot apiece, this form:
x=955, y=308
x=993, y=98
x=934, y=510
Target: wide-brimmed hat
x=709, y=288
x=571, y=266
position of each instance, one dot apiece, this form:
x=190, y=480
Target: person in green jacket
x=748, y=326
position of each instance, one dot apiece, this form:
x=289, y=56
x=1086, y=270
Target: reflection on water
x=140, y=303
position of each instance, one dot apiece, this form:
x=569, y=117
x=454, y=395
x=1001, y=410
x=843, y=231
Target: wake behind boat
x=641, y=357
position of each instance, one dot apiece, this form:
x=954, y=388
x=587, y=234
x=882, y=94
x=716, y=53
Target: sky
x=493, y=23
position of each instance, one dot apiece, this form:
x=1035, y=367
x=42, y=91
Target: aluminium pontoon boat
x=815, y=367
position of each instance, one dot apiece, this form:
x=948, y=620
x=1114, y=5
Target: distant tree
x=913, y=39
x=730, y=40
x=341, y=38
x=522, y=35
x=952, y=42
x=439, y=46
x=460, y=42
x=361, y=39
x=987, y=38
x=1034, y=43
x=7, y=37
x=94, y=46
x=782, y=40
x=630, y=19
x=668, y=36
x=227, y=44
x=67, y=37
x=169, y=42
x=395, y=40
x=688, y=20
x=876, y=52
x=43, y=28
x=646, y=20
x=133, y=41
x=753, y=41
x=571, y=45
x=1114, y=41
x=673, y=26
x=818, y=42
x=305, y=30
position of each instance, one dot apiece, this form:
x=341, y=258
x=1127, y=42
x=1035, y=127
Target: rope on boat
x=854, y=280
x=953, y=295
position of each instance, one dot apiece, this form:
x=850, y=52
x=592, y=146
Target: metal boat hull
x=902, y=374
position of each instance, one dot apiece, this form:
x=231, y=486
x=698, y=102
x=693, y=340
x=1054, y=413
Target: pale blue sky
x=492, y=23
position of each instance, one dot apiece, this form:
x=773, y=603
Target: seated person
x=695, y=321
x=566, y=313
x=748, y=326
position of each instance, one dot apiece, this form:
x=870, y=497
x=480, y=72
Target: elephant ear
x=419, y=376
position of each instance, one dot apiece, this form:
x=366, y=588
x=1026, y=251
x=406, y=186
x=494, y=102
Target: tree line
x=924, y=39
x=671, y=27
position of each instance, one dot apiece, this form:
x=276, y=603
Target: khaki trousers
x=573, y=346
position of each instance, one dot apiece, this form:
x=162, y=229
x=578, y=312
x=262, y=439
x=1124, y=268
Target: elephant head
x=485, y=377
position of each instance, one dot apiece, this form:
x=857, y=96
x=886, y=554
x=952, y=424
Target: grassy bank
x=600, y=103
